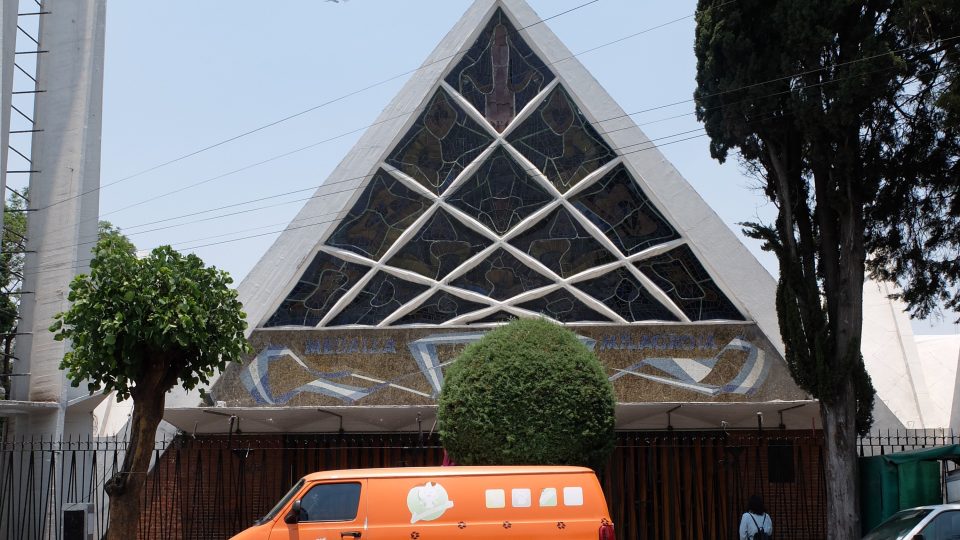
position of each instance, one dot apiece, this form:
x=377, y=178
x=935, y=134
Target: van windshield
x=283, y=502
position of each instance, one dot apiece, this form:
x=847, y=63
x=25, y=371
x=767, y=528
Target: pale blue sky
x=181, y=75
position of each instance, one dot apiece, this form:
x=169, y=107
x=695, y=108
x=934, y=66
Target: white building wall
x=939, y=356
x=890, y=354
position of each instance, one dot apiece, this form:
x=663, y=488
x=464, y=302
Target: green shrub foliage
x=527, y=393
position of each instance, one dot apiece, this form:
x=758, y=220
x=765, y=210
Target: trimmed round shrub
x=528, y=393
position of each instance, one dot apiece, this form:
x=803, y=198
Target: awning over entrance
x=632, y=416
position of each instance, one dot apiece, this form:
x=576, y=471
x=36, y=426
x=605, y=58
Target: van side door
x=329, y=510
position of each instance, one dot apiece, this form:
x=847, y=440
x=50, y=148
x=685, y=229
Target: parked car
x=434, y=503
x=936, y=522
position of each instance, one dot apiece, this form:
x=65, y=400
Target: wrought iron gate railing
x=677, y=485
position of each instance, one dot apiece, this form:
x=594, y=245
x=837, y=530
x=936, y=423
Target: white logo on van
x=427, y=502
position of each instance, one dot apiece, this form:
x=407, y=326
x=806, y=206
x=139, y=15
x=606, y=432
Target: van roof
x=457, y=470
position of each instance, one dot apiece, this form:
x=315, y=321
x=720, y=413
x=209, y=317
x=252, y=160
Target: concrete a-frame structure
x=503, y=181
x=735, y=271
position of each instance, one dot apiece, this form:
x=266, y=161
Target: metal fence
x=44, y=481
x=888, y=441
x=662, y=484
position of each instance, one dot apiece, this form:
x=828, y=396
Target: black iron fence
x=678, y=485
x=48, y=486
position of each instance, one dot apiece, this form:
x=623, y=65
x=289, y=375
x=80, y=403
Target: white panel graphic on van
x=496, y=498
x=520, y=498
x=573, y=496
x=548, y=497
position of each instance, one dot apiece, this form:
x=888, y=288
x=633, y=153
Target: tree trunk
x=840, y=464
x=125, y=488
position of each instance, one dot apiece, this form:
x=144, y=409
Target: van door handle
x=354, y=534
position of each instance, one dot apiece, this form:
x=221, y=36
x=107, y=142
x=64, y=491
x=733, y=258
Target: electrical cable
x=415, y=110
x=630, y=114
x=80, y=263
x=286, y=154
x=294, y=115
x=351, y=179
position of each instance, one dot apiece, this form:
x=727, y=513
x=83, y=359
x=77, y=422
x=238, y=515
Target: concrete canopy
x=793, y=415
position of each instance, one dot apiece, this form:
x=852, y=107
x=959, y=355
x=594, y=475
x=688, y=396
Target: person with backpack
x=756, y=523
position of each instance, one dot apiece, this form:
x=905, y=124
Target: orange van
x=431, y=503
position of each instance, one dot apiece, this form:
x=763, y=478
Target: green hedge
x=527, y=393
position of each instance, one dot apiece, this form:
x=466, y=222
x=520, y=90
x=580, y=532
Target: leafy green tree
x=11, y=275
x=848, y=114
x=140, y=326
x=527, y=393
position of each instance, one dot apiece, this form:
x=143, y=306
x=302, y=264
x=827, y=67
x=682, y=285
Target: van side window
x=330, y=502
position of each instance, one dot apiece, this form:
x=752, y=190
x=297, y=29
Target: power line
x=294, y=115
x=274, y=158
x=80, y=263
x=260, y=199
x=628, y=127
x=419, y=109
x=316, y=195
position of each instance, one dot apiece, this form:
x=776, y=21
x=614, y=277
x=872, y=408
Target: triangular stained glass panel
x=325, y=280
x=619, y=208
x=562, y=306
x=499, y=74
x=679, y=274
x=440, y=246
x=440, y=308
x=562, y=244
x=622, y=292
x=440, y=144
x=383, y=295
x=500, y=194
x=385, y=209
x=501, y=276
x=560, y=142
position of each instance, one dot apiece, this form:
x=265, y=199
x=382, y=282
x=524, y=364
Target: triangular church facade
x=504, y=182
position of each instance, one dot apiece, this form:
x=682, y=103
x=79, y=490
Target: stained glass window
x=501, y=276
x=325, y=281
x=440, y=246
x=441, y=307
x=500, y=194
x=559, y=141
x=385, y=209
x=620, y=209
x=686, y=281
x=440, y=144
x=383, y=295
x=562, y=244
x=499, y=74
x=562, y=306
x=622, y=292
